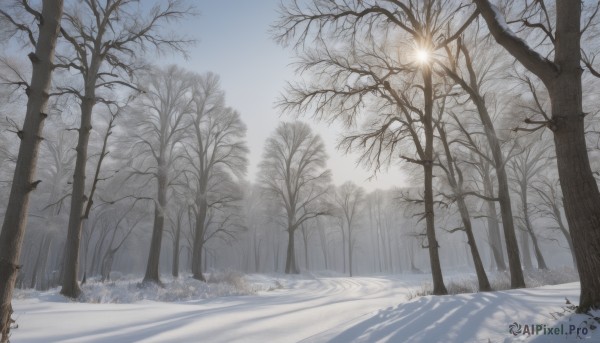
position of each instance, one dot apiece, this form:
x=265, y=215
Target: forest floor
x=305, y=308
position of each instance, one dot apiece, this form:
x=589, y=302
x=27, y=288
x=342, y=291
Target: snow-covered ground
x=298, y=309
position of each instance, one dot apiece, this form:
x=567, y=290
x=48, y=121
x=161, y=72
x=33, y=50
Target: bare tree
x=104, y=39
x=462, y=70
x=160, y=129
x=551, y=208
x=216, y=146
x=293, y=173
x=560, y=71
x=454, y=175
x=15, y=218
x=525, y=167
x=483, y=167
x=424, y=27
x=118, y=236
x=175, y=227
x=349, y=198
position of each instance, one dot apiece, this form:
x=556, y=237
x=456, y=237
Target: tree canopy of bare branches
x=293, y=173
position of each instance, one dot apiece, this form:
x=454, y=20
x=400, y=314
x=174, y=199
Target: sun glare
x=422, y=56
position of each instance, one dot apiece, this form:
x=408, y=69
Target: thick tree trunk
x=290, y=261
x=562, y=77
x=152, y=270
x=15, y=218
x=70, y=285
x=579, y=188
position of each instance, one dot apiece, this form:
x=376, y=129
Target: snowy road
x=362, y=309
x=303, y=309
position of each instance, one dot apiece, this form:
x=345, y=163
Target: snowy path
x=305, y=309
x=364, y=309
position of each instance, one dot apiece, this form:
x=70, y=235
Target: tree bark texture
x=70, y=286
x=562, y=78
x=152, y=271
x=15, y=219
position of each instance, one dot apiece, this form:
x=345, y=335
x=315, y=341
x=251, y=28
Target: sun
x=422, y=56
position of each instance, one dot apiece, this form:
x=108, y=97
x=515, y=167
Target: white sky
x=233, y=41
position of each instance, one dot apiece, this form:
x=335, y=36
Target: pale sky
x=233, y=42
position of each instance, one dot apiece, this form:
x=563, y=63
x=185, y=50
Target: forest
x=113, y=163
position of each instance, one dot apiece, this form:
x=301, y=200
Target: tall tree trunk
x=579, y=188
x=562, y=78
x=36, y=265
x=343, y=246
x=565, y=232
x=380, y=243
x=305, y=251
x=578, y=185
x=536, y=248
x=175, y=266
x=484, y=283
x=199, y=242
x=276, y=257
x=525, y=251
x=15, y=218
x=152, y=271
x=456, y=183
x=389, y=250
x=538, y=253
x=257, y=254
x=290, y=261
x=512, y=247
x=492, y=220
x=39, y=271
x=349, y=249
x=436, y=270
x=70, y=286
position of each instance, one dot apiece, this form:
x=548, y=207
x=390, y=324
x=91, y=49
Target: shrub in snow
x=128, y=289
x=231, y=277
